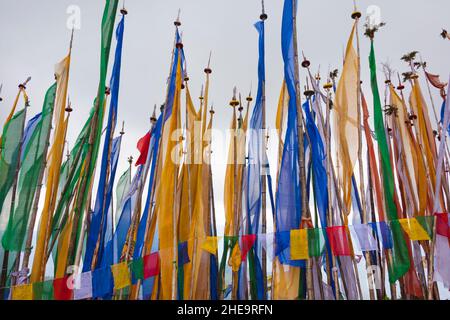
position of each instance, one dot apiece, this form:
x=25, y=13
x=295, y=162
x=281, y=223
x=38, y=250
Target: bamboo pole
x=301, y=153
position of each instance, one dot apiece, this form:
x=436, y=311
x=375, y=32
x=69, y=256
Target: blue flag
x=98, y=222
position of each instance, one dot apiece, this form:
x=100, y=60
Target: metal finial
x=153, y=117
x=123, y=11
x=305, y=63
x=201, y=94
x=1, y=87
x=240, y=105
x=69, y=105
x=263, y=15
x=23, y=85
x=122, y=132
x=177, y=22
x=130, y=160
x=356, y=14
x=233, y=101
x=211, y=110
x=208, y=68
x=400, y=84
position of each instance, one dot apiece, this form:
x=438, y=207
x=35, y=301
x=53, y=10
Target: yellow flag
x=235, y=258
x=346, y=115
x=121, y=275
x=282, y=111
x=285, y=281
x=414, y=230
x=229, y=184
x=425, y=135
x=210, y=245
x=54, y=168
x=23, y=292
x=166, y=195
x=299, y=244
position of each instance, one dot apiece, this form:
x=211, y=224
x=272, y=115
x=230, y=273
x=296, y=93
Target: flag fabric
x=33, y=155
x=401, y=262
x=9, y=153
x=61, y=289
x=257, y=167
x=299, y=244
x=210, y=245
x=43, y=290
x=235, y=258
x=54, y=165
x=247, y=242
x=137, y=270
x=122, y=189
x=22, y=292
x=143, y=146
x=346, y=126
x=98, y=224
x=288, y=197
x=414, y=230
x=151, y=265
x=102, y=282
x=139, y=245
x=165, y=200
x=84, y=289
x=121, y=275
x=339, y=240
x=366, y=240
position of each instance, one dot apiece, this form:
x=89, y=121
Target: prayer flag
x=299, y=244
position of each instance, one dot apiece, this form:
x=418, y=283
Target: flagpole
x=263, y=17
x=301, y=153
x=234, y=103
x=4, y=275
x=356, y=15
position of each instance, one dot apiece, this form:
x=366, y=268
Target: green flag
x=400, y=262
x=9, y=153
x=122, y=189
x=33, y=159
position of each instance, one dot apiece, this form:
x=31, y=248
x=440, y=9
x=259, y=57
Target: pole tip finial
x=177, y=22
x=263, y=15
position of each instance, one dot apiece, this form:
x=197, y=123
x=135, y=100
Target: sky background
x=34, y=37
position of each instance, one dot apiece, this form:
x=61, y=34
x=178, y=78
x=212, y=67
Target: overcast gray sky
x=34, y=36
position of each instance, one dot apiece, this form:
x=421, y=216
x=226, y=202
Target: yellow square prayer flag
x=23, y=292
x=121, y=275
x=210, y=245
x=299, y=244
x=414, y=230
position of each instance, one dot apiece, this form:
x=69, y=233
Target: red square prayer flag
x=338, y=237
x=151, y=265
x=61, y=290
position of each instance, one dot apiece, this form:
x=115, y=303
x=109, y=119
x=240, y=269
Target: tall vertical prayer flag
x=103, y=201
x=62, y=79
x=346, y=126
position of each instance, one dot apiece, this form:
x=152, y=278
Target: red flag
x=247, y=244
x=61, y=290
x=338, y=237
x=151, y=265
x=442, y=227
x=143, y=146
